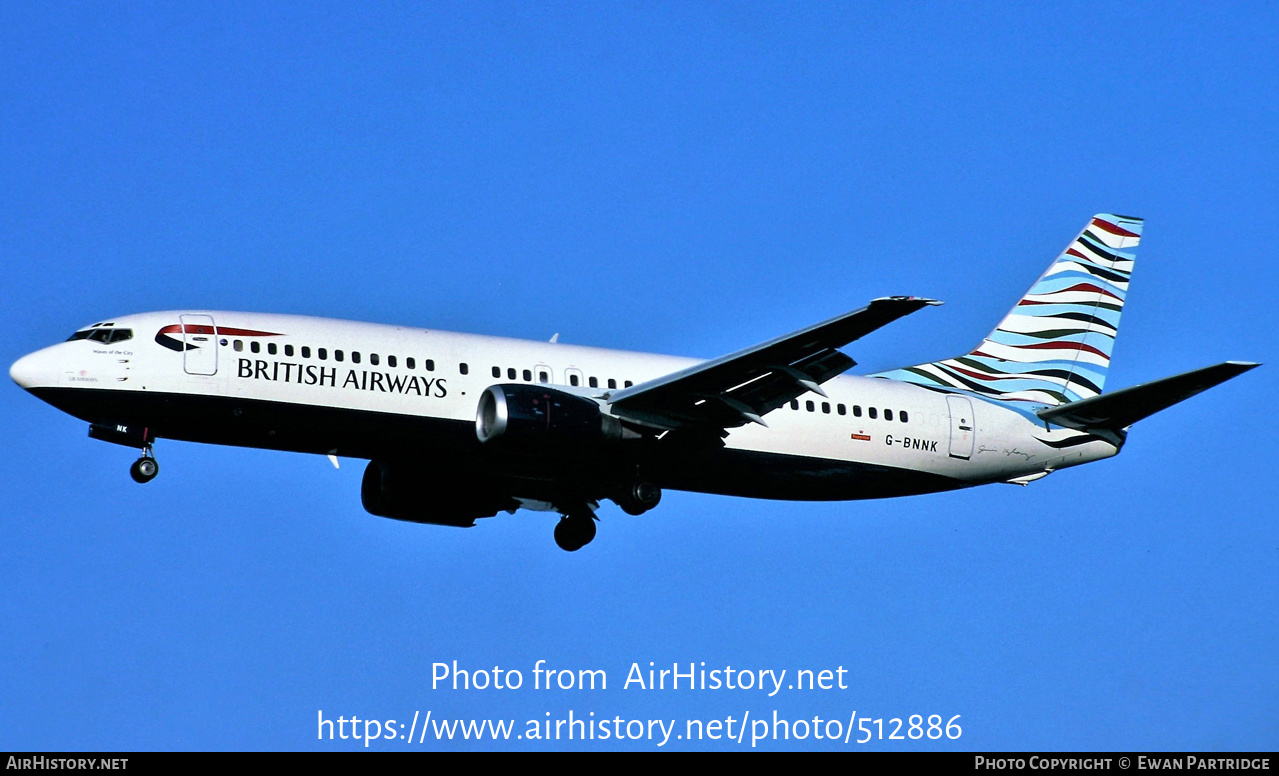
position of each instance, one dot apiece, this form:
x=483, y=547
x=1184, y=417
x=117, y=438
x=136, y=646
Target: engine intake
x=539, y=416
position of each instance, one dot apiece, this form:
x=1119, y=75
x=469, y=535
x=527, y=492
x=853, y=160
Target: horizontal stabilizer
x=1114, y=411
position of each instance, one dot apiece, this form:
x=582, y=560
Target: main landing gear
x=639, y=498
x=145, y=468
x=575, y=529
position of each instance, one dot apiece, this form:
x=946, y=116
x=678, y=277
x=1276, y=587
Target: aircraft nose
x=31, y=371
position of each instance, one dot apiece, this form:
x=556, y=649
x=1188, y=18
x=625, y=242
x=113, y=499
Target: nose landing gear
x=145, y=468
x=132, y=435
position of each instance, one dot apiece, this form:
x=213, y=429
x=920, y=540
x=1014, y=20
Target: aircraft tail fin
x=1054, y=346
x=1122, y=408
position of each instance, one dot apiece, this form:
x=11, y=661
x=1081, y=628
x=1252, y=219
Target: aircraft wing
x=742, y=387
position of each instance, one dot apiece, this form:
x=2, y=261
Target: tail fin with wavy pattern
x=1054, y=346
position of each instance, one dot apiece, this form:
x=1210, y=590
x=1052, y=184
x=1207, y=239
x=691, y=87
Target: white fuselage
x=257, y=367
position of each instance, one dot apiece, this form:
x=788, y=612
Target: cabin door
x=961, y=426
x=200, y=345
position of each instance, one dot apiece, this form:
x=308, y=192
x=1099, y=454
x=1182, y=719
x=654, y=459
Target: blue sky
x=682, y=178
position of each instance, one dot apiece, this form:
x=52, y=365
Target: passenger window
x=497, y=372
x=238, y=346
x=410, y=362
x=872, y=412
x=430, y=365
x=288, y=350
x=373, y=359
x=543, y=376
x=572, y=380
x=826, y=407
x=794, y=404
x=841, y=409
x=903, y=416
x=390, y=361
x=256, y=347
x=270, y=348
x=628, y=384
x=338, y=355
x=324, y=354
x=306, y=351
x=593, y=382
x=528, y=376
x=888, y=414
x=612, y=383
x=808, y=405
x=510, y=373
x=463, y=368
x=857, y=410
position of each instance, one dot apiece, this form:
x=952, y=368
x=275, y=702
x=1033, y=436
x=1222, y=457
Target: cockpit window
x=104, y=336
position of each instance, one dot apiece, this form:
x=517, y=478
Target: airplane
x=458, y=427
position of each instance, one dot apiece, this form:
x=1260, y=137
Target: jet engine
x=537, y=417
x=423, y=492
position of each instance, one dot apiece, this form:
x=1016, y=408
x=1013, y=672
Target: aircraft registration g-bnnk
x=458, y=426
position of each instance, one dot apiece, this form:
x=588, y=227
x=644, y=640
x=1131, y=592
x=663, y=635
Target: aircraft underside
x=442, y=456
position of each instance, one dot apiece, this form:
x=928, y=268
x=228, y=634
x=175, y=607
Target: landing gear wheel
x=642, y=497
x=144, y=469
x=575, y=532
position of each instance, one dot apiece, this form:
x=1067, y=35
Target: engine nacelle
x=540, y=417
x=423, y=493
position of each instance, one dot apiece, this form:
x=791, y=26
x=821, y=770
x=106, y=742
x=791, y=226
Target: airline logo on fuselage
x=176, y=343
x=329, y=376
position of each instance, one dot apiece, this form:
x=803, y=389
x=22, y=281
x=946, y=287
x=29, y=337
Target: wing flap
x=742, y=387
